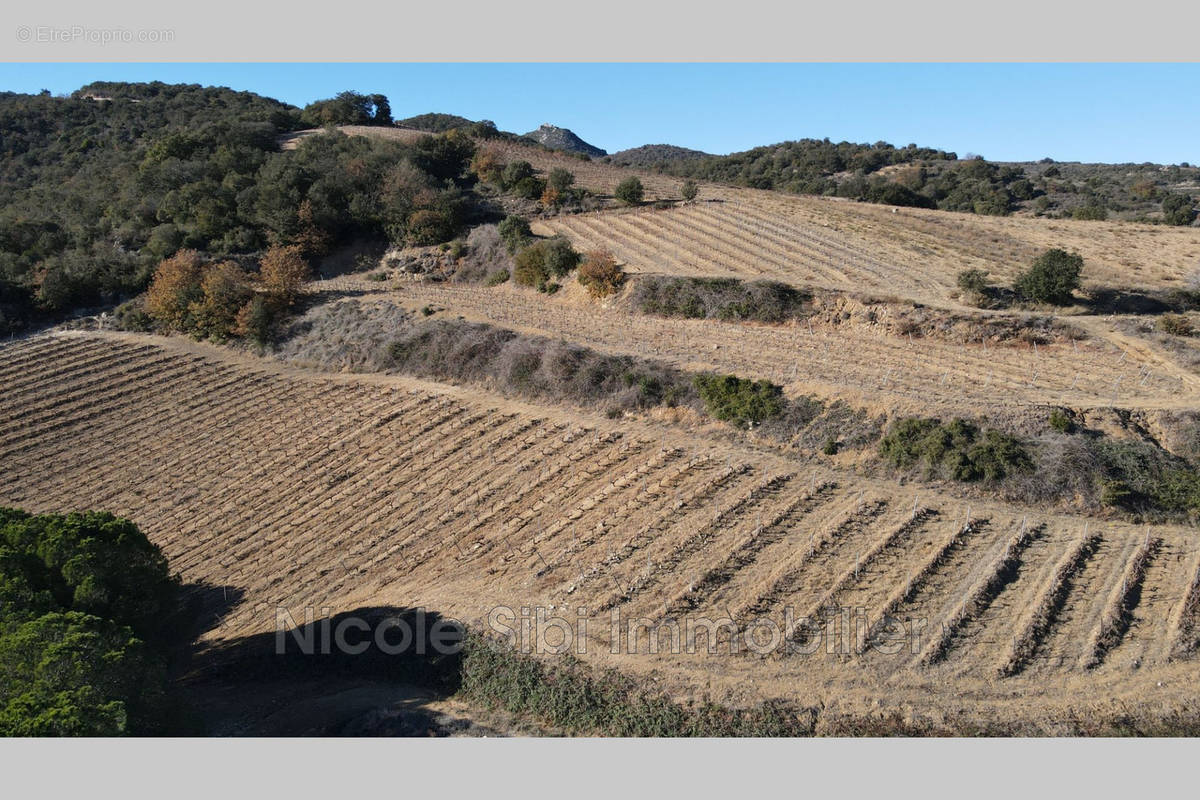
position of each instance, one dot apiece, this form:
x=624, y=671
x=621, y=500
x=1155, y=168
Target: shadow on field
x=373, y=671
x=203, y=607
x=1124, y=301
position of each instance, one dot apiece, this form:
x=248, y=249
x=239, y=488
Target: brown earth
x=289, y=489
x=302, y=490
x=841, y=244
x=867, y=364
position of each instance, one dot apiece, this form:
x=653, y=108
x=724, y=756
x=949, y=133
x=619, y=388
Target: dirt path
x=863, y=366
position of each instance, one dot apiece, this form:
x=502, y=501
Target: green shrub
x=132, y=316
x=529, y=188
x=515, y=233
x=1061, y=421
x=1115, y=494
x=498, y=277
x=831, y=447
x=630, y=191
x=689, y=190
x=1138, y=475
x=87, y=606
x=72, y=674
x=1052, y=277
x=538, y=263
x=974, y=286
x=1090, y=212
x=955, y=450
x=1175, y=324
x=994, y=457
x=1178, y=209
x=570, y=695
x=720, y=298
x=560, y=179
x=740, y=401
x=973, y=280
x=515, y=172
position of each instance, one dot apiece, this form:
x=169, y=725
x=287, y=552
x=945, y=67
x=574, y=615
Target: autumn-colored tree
x=311, y=238
x=175, y=287
x=226, y=290
x=487, y=165
x=550, y=197
x=600, y=274
x=283, y=272
x=429, y=226
x=255, y=320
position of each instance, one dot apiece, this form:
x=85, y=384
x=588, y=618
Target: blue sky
x=1070, y=112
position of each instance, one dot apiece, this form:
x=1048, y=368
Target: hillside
x=434, y=122
x=96, y=192
x=381, y=367
x=468, y=501
x=557, y=138
x=922, y=177
x=654, y=155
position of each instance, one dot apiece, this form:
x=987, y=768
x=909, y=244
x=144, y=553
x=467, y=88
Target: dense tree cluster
x=810, y=166
x=348, y=108
x=1178, y=209
x=553, y=192
x=101, y=186
x=218, y=300
x=87, y=606
x=929, y=178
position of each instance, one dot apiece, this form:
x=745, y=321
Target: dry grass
x=853, y=352
x=834, y=243
x=296, y=489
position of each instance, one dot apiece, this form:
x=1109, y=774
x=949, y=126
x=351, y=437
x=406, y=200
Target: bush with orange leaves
x=551, y=198
x=191, y=296
x=216, y=301
x=600, y=273
x=226, y=290
x=487, y=165
x=283, y=272
x=175, y=287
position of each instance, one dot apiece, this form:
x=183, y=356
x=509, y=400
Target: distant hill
x=434, y=122
x=930, y=178
x=557, y=138
x=651, y=155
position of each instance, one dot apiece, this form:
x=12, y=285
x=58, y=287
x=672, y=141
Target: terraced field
x=912, y=253
x=862, y=365
x=909, y=253
x=277, y=487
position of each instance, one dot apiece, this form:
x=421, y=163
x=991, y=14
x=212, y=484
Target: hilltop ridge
x=557, y=138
